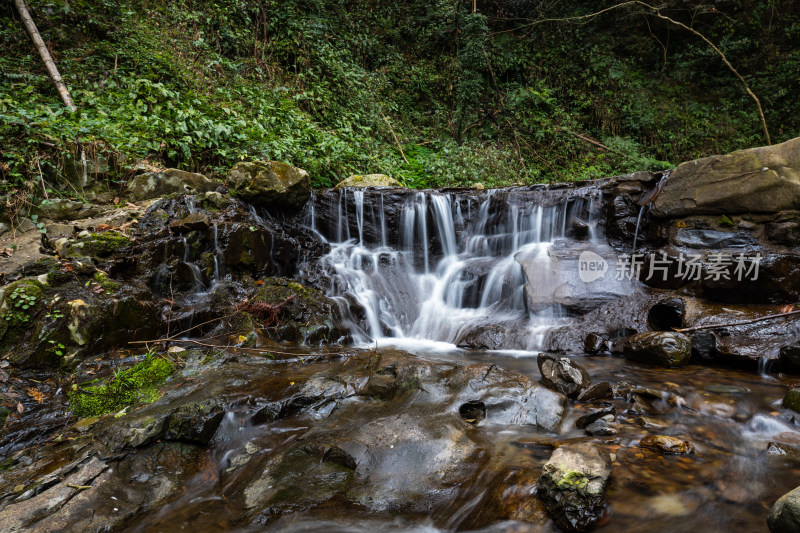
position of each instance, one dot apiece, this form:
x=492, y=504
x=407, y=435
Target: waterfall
x=437, y=266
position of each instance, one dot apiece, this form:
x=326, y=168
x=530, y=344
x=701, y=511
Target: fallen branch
x=52, y=70
x=742, y=323
x=396, y=140
x=237, y=348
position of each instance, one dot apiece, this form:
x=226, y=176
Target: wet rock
x=509, y=398
x=194, y=221
x=792, y=399
x=784, y=516
x=790, y=357
x=563, y=374
x=573, y=485
x=368, y=180
x=270, y=184
x=170, y=181
x=598, y=391
x=580, y=229
x=659, y=348
x=650, y=423
x=594, y=343
x=758, y=180
x=666, y=445
x=704, y=345
x=593, y=415
x=194, y=423
x=779, y=448
x=600, y=428
x=304, y=315
x=710, y=239
x=488, y=337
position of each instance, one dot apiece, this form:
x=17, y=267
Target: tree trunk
x=44, y=53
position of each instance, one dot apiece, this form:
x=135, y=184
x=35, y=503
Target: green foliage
x=126, y=387
x=473, y=97
x=21, y=302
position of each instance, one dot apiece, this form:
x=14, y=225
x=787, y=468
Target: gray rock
x=573, y=485
x=368, y=180
x=593, y=415
x=170, y=181
x=270, y=184
x=706, y=238
x=563, y=374
x=784, y=517
x=758, y=180
x=661, y=348
x=600, y=428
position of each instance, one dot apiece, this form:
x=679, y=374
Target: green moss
x=572, y=480
x=108, y=285
x=98, y=244
x=138, y=384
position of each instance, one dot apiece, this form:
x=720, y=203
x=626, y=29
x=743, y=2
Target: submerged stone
x=784, y=516
x=666, y=445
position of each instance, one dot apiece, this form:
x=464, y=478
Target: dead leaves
x=34, y=393
x=787, y=308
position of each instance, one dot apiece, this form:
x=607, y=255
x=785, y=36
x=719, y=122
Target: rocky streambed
x=251, y=354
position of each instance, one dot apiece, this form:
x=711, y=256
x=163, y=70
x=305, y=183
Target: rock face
x=170, y=181
x=758, y=180
x=661, y=348
x=270, y=184
x=368, y=180
x=784, y=517
x=563, y=374
x=573, y=485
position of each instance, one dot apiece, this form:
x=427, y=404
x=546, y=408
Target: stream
x=729, y=483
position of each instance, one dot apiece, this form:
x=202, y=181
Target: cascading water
x=443, y=265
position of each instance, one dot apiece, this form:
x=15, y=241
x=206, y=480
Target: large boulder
x=661, y=348
x=270, y=184
x=573, y=485
x=170, y=181
x=784, y=517
x=758, y=180
x=368, y=180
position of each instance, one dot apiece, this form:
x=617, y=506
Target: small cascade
x=440, y=266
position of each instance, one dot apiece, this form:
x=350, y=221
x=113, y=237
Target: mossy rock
x=758, y=180
x=270, y=184
x=132, y=386
x=308, y=317
x=97, y=245
x=368, y=180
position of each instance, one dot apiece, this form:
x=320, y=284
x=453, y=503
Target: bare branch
x=27, y=21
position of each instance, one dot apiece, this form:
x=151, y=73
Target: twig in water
x=742, y=323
